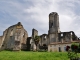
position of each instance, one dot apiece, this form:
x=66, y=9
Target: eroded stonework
x=16, y=37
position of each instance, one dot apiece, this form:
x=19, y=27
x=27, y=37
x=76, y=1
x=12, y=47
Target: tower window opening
x=51, y=24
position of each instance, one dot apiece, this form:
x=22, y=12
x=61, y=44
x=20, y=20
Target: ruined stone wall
x=64, y=37
x=44, y=40
x=74, y=37
x=1, y=41
x=15, y=37
x=34, y=32
x=24, y=39
x=67, y=37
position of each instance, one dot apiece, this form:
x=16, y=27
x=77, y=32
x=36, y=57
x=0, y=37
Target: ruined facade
x=56, y=40
x=59, y=40
x=16, y=37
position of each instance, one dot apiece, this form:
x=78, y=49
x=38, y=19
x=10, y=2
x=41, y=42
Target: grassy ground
x=24, y=55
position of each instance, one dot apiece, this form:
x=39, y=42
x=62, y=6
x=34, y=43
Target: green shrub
x=75, y=47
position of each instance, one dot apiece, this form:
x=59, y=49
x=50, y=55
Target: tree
x=36, y=40
x=79, y=48
x=74, y=47
x=72, y=51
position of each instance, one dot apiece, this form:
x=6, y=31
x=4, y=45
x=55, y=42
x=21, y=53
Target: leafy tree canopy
x=36, y=38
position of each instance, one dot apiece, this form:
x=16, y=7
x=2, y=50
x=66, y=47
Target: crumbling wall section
x=14, y=37
x=43, y=40
x=34, y=32
x=67, y=37
x=64, y=37
x=1, y=37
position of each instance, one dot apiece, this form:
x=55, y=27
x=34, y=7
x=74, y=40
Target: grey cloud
x=34, y=14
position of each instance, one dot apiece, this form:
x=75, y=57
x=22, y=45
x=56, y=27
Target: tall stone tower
x=53, y=27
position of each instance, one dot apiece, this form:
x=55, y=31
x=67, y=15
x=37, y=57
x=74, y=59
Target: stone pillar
x=34, y=33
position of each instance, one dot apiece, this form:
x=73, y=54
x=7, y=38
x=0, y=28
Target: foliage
x=79, y=48
x=72, y=51
x=36, y=40
x=72, y=55
x=26, y=55
x=74, y=47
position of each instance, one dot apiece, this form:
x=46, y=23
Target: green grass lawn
x=25, y=55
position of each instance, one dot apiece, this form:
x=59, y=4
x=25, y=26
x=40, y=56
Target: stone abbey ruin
x=16, y=37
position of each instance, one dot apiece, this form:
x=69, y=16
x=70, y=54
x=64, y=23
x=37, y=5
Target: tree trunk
x=36, y=47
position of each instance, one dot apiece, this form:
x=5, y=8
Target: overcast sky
x=34, y=14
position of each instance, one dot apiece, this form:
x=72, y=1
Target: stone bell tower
x=53, y=27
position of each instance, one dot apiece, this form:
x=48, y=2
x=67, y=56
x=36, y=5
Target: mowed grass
x=26, y=55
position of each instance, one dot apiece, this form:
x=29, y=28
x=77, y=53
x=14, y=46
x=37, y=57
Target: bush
x=79, y=48
x=72, y=51
x=75, y=47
